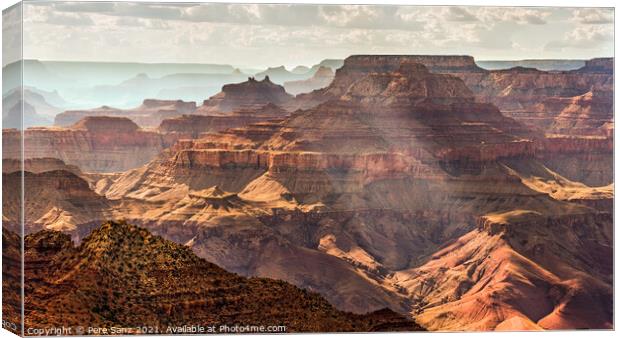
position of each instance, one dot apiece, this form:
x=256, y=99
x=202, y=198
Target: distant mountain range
x=79, y=85
x=546, y=65
x=63, y=85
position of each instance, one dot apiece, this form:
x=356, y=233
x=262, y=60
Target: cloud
x=254, y=34
x=594, y=16
x=82, y=7
x=584, y=36
x=460, y=14
x=68, y=19
x=142, y=23
x=517, y=15
x=11, y=34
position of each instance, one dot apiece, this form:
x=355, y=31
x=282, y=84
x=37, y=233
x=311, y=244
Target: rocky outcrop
x=12, y=260
x=397, y=188
x=590, y=114
x=599, y=65
x=97, y=144
x=387, y=63
x=361, y=65
x=142, y=261
x=149, y=114
x=322, y=78
x=250, y=94
x=527, y=95
x=37, y=165
x=192, y=126
x=515, y=263
x=53, y=199
x=281, y=75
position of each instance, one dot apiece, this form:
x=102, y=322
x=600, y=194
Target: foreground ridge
x=123, y=276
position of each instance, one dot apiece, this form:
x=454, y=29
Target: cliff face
x=249, y=94
x=398, y=188
x=192, y=126
x=519, y=94
x=361, y=65
x=396, y=159
x=599, y=65
x=172, y=285
x=149, y=114
x=528, y=95
x=53, y=199
x=547, y=100
x=97, y=144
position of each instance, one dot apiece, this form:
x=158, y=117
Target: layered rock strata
x=149, y=114
x=96, y=143
x=250, y=94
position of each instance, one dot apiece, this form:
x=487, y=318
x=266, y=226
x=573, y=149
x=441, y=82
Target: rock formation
x=524, y=94
x=281, y=75
x=401, y=185
x=149, y=114
x=95, y=143
x=55, y=199
x=165, y=287
x=192, y=126
x=12, y=259
x=396, y=159
x=250, y=94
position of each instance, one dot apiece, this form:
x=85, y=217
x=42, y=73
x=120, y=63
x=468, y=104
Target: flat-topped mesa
x=387, y=63
x=149, y=114
x=599, y=65
x=410, y=82
x=357, y=67
x=106, y=124
x=250, y=93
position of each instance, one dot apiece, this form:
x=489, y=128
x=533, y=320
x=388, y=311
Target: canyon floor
x=407, y=193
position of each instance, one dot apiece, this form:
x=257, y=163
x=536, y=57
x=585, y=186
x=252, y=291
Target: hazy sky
x=269, y=35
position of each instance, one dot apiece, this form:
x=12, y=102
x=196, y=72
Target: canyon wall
x=98, y=144
x=149, y=114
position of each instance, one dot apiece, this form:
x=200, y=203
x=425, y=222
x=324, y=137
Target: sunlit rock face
x=95, y=143
x=409, y=182
x=248, y=94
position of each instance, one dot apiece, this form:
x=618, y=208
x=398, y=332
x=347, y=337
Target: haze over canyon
x=374, y=193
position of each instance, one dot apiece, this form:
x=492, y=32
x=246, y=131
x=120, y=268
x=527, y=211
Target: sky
x=251, y=35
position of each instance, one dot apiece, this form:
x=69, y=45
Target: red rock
x=249, y=94
x=149, y=114
x=96, y=143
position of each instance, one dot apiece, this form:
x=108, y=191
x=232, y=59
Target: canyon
x=464, y=198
